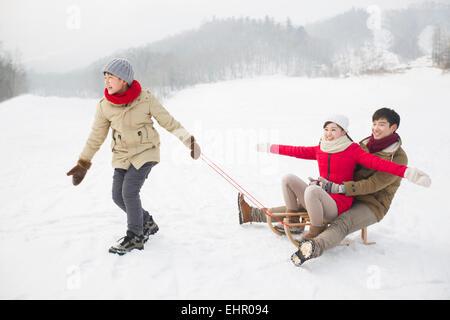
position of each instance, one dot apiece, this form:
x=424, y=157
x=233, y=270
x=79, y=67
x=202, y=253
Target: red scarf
x=125, y=97
x=378, y=145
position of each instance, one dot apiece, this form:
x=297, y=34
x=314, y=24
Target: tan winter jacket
x=134, y=139
x=380, y=187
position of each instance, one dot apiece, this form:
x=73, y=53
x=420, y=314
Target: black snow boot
x=129, y=242
x=150, y=227
x=306, y=251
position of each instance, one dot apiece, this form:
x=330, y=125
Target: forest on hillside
x=359, y=41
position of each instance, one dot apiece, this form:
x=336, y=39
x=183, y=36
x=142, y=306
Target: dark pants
x=126, y=187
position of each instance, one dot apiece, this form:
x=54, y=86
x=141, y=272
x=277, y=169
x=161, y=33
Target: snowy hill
x=54, y=237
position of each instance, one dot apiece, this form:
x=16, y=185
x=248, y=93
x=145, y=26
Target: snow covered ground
x=54, y=237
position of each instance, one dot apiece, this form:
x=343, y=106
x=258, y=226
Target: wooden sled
x=303, y=221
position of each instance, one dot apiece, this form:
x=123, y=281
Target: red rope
x=237, y=186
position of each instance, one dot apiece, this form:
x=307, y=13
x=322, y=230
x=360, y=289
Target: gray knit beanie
x=120, y=68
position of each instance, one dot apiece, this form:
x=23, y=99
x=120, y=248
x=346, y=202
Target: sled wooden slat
x=287, y=230
x=304, y=221
x=364, y=236
x=269, y=221
x=288, y=214
x=295, y=224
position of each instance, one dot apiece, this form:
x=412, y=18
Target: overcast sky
x=60, y=35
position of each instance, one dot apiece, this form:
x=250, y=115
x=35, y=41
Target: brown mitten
x=195, y=149
x=79, y=171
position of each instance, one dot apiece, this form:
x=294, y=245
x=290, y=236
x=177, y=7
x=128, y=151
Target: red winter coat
x=338, y=167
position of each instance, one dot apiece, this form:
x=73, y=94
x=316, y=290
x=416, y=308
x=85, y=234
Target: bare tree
x=12, y=76
x=441, y=48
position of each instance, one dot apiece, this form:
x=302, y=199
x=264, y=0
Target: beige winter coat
x=134, y=139
x=380, y=187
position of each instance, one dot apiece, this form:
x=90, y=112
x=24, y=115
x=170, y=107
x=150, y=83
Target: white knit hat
x=121, y=68
x=341, y=120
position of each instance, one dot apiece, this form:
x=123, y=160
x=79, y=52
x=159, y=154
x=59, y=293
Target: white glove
x=263, y=147
x=418, y=177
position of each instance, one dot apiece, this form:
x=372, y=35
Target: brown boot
x=314, y=232
x=245, y=211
